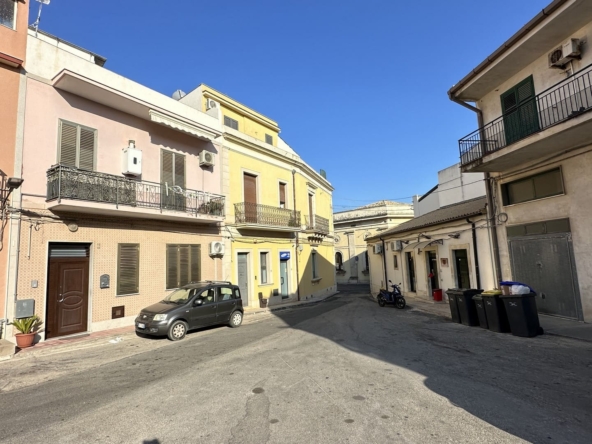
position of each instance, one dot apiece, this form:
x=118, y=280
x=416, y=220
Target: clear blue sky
x=357, y=86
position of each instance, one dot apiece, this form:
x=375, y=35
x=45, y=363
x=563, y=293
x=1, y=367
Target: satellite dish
x=178, y=95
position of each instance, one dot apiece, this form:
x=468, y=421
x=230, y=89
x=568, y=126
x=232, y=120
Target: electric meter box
x=132, y=161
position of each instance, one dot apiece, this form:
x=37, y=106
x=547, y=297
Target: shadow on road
x=538, y=389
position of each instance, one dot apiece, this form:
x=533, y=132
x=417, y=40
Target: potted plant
x=28, y=328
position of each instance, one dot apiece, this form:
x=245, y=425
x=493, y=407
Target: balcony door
x=520, y=112
x=172, y=180
x=250, y=197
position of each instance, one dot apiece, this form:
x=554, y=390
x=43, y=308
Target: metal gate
x=546, y=263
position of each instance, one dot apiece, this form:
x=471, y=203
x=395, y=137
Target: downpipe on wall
x=384, y=264
x=476, y=253
x=297, y=239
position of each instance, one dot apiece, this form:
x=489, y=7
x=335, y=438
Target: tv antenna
x=36, y=24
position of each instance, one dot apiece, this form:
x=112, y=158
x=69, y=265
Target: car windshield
x=180, y=296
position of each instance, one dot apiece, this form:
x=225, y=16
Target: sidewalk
x=99, y=338
x=552, y=325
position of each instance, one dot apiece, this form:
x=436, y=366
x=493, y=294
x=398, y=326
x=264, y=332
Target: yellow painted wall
x=325, y=266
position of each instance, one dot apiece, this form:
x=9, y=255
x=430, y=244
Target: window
x=315, y=271
x=77, y=146
x=183, y=265
x=396, y=261
x=263, y=263
x=541, y=185
x=208, y=296
x=172, y=178
x=8, y=13
x=228, y=121
x=338, y=261
x=128, y=269
x=225, y=294
x=521, y=117
x=269, y=139
x=282, y=195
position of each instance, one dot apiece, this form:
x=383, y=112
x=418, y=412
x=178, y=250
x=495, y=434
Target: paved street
x=343, y=370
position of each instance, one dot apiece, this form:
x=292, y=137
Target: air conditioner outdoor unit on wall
x=210, y=104
x=378, y=249
x=216, y=248
x=563, y=54
x=131, y=160
x=207, y=159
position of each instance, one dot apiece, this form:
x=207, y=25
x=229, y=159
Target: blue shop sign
x=284, y=255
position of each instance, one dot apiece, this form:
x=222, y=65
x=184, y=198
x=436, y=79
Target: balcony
x=317, y=225
x=553, y=121
x=71, y=189
x=265, y=217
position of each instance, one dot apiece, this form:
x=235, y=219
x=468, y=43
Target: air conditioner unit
x=207, y=159
x=131, y=160
x=562, y=55
x=396, y=245
x=210, y=104
x=216, y=248
x=378, y=249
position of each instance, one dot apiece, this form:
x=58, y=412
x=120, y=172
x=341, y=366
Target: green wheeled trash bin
x=522, y=314
x=497, y=319
x=454, y=314
x=466, y=307
x=481, y=315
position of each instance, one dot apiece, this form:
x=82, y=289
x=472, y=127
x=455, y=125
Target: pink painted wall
x=46, y=105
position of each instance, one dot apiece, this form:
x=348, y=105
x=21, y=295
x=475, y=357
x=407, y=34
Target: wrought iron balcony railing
x=565, y=100
x=265, y=215
x=65, y=182
x=317, y=223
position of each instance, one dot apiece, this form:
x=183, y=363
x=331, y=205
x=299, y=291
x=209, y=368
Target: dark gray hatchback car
x=195, y=305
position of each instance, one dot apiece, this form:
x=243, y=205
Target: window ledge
x=125, y=295
x=315, y=280
x=266, y=285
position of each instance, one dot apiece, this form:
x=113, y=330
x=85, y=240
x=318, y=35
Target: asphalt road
x=342, y=371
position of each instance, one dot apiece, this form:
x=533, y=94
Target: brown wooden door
x=250, y=187
x=67, y=299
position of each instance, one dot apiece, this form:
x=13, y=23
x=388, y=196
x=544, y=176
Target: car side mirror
x=198, y=302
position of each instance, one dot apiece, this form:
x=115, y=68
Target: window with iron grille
x=315, y=271
x=229, y=121
x=539, y=186
x=8, y=13
x=78, y=146
x=269, y=139
x=183, y=265
x=128, y=269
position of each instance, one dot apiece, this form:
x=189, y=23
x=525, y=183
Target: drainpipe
x=477, y=273
x=488, y=192
x=384, y=265
x=297, y=238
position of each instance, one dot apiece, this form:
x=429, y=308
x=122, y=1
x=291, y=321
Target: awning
x=176, y=124
x=413, y=246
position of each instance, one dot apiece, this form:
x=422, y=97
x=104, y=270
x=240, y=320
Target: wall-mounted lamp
x=11, y=184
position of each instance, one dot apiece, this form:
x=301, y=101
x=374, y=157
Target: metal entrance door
x=546, y=264
x=461, y=264
x=67, y=293
x=243, y=277
x=284, y=279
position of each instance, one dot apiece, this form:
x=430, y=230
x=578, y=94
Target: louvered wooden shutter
x=68, y=138
x=282, y=193
x=87, y=149
x=250, y=186
x=179, y=170
x=183, y=265
x=128, y=269
x=195, y=263
x=166, y=174
x=172, y=267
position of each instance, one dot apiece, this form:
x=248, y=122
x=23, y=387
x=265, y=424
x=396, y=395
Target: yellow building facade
x=279, y=246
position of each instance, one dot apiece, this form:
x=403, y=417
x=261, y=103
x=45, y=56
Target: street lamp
x=11, y=184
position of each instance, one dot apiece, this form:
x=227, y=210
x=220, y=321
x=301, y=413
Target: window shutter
x=179, y=170
x=183, y=265
x=128, y=269
x=172, y=267
x=166, y=174
x=87, y=149
x=68, y=136
x=195, y=263
x=282, y=193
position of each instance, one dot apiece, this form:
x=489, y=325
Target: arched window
x=338, y=261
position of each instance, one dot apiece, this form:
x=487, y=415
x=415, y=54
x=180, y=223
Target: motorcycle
x=392, y=297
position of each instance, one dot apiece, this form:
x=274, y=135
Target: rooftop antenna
x=36, y=24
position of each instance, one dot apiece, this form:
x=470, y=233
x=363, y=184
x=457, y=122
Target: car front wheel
x=236, y=319
x=177, y=331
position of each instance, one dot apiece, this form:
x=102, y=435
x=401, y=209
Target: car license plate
x=141, y=325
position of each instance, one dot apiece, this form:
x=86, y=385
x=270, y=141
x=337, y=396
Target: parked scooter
x=392, y=297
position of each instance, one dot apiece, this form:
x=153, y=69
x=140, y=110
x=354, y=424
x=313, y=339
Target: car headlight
x=161, y=317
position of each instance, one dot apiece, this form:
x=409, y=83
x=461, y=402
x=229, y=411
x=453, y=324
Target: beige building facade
x=353, y=227
x=532, y=98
